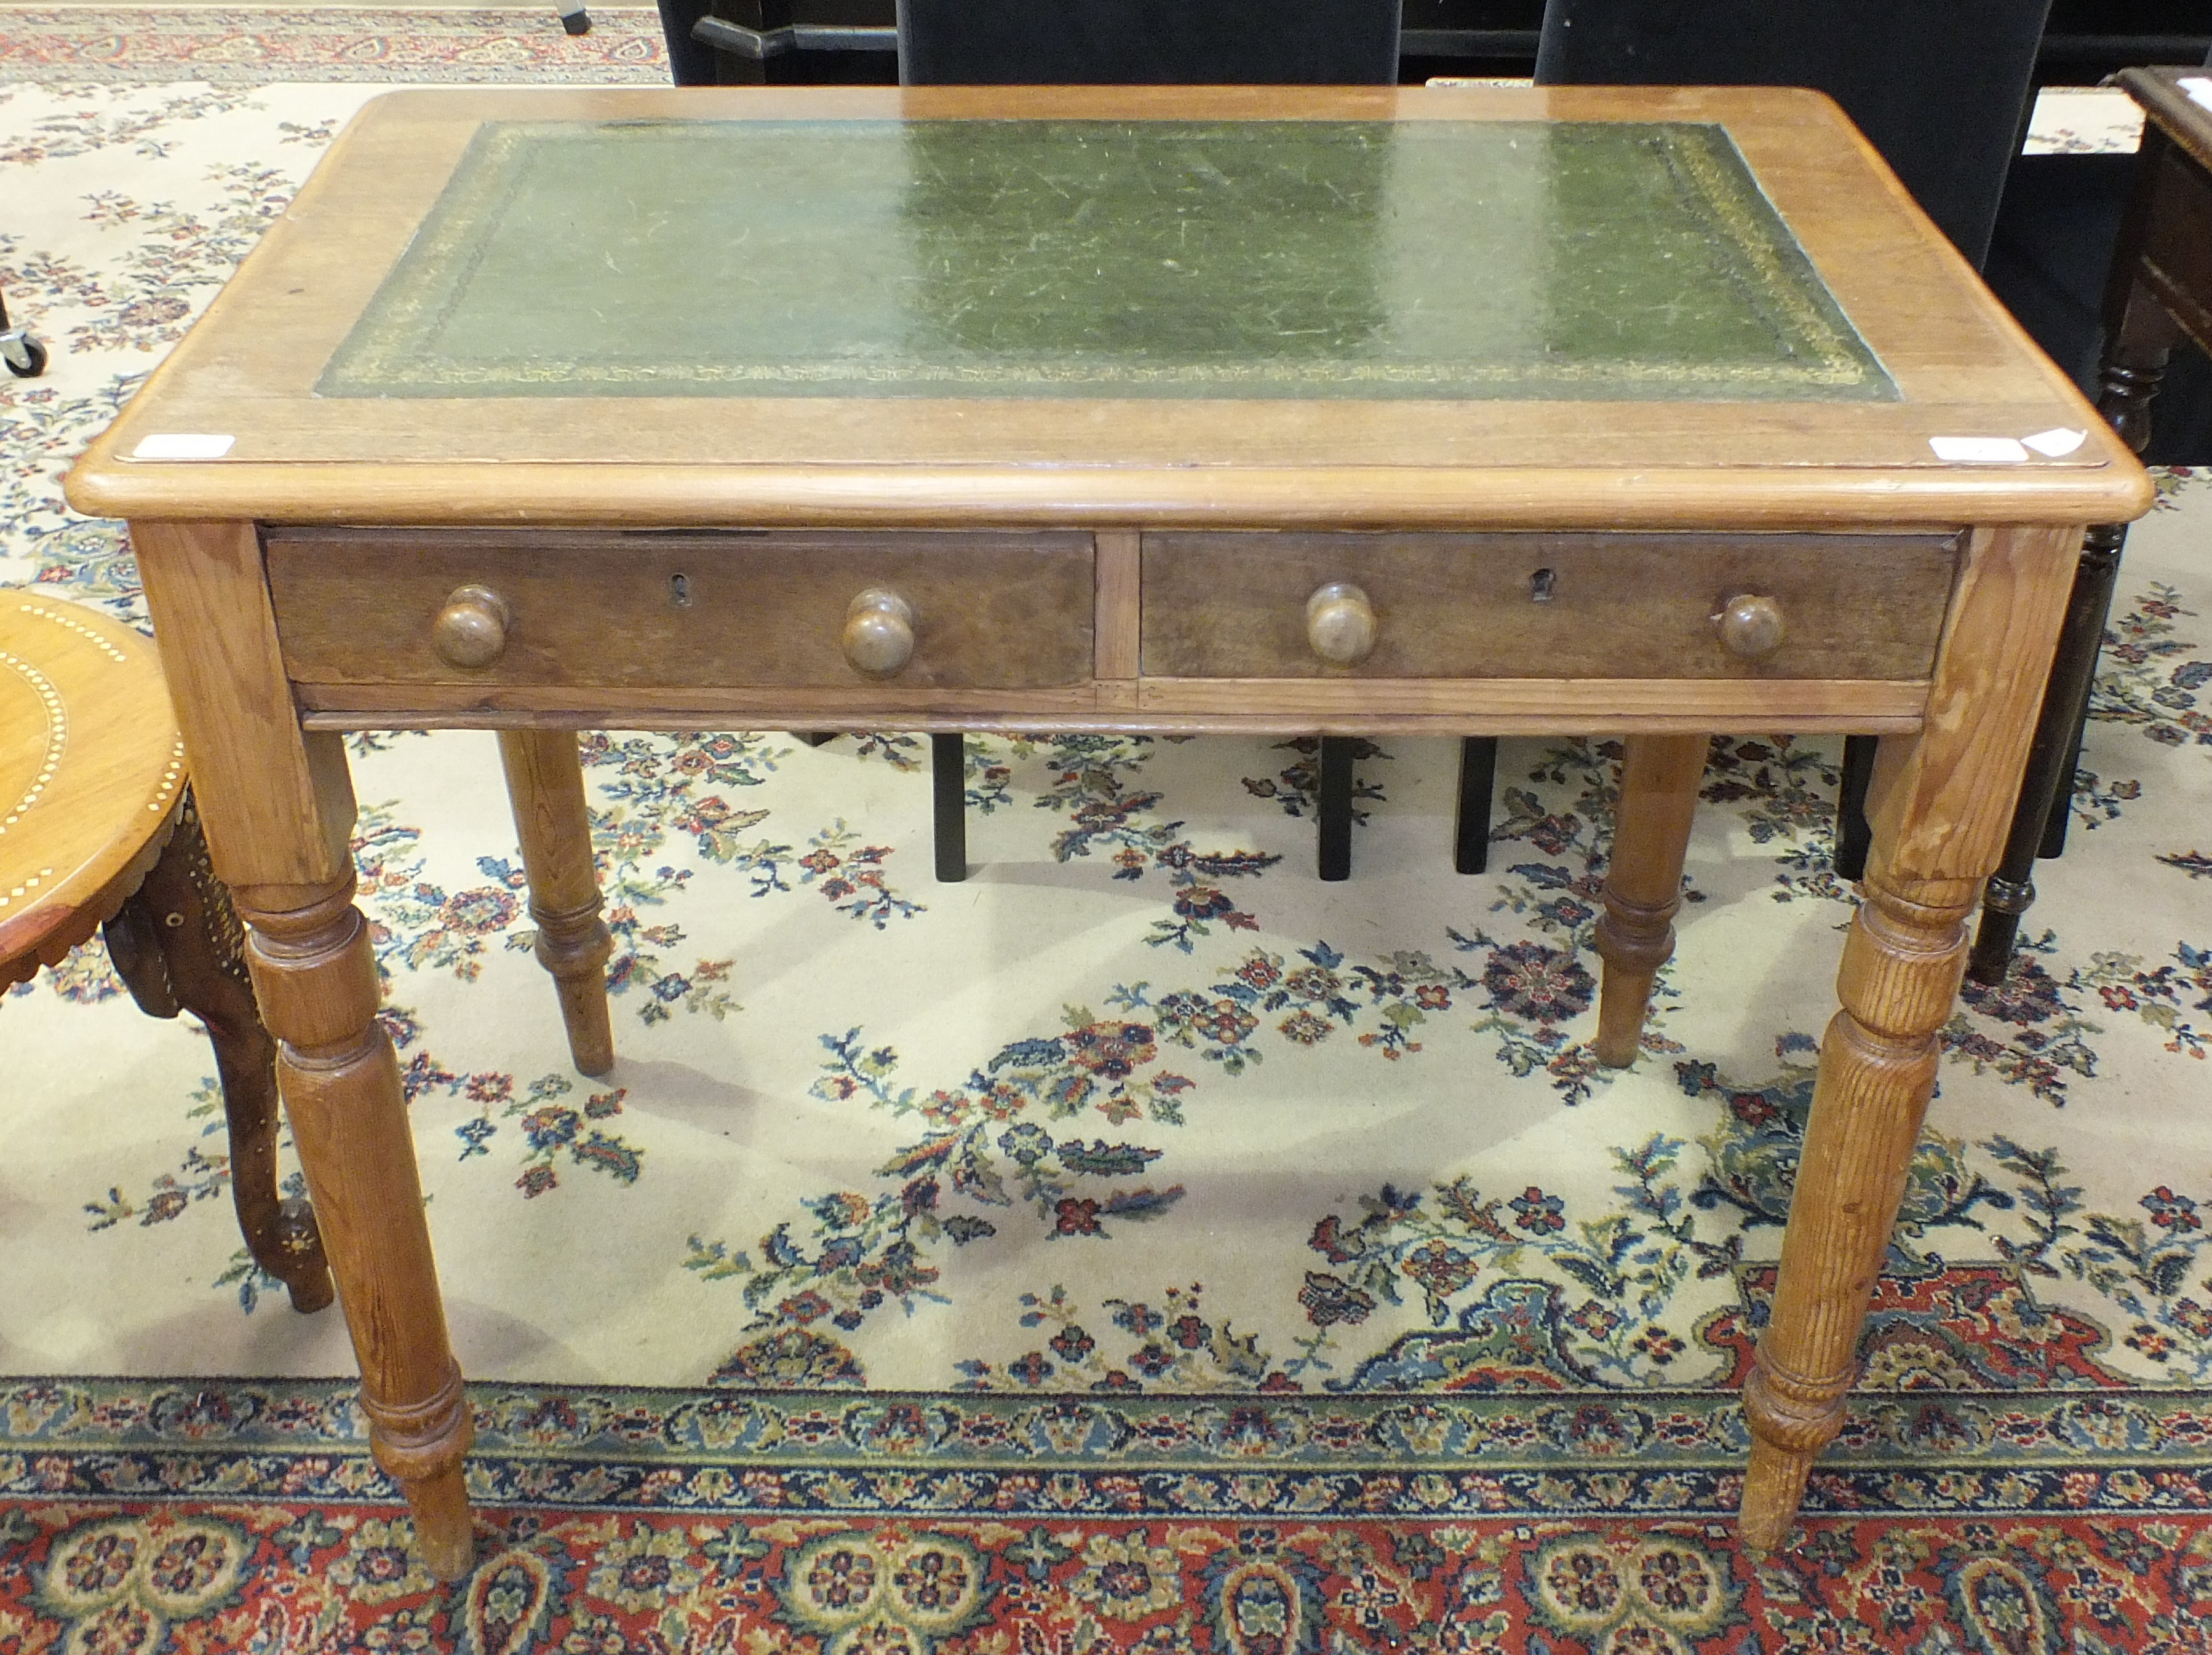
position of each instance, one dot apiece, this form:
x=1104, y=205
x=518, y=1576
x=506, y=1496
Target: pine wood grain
x=1116, y=630
x=277, y=810
x=1940, y=804
x=546, y=786
x=1659, y=777
x=364, y=497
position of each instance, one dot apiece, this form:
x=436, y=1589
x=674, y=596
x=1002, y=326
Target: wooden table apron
x=1064, y=553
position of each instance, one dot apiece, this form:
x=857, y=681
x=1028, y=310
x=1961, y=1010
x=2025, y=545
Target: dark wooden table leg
x=948, y=789
x=1659, y=777
x=179, y=946
x=1942, y=802
x=545, y=789
x=2047, y=787
x=1478, y=783
x=278, y=808
x=2141, y=334
x=1333, y=805
x=2052, y=846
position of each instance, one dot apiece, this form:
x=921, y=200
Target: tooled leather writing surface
x=1446, y=259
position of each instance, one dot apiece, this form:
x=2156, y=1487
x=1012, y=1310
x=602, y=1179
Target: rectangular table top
x=1348, y=306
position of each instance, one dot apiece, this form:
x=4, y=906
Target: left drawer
x=721, y=609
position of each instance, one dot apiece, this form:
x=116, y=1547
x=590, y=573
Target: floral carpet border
x=1384, y=1457
x=254, y=45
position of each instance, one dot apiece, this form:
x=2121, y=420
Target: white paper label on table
x=2199, y=90
x=1979, y=451
x=182, y=446
x=2057, y=442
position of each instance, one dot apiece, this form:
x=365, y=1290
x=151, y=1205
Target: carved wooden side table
x=98, y=831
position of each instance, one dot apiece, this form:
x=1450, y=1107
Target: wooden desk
x=1104, y=402
x=2160, y=291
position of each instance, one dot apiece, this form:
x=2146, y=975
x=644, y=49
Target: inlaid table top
x=1099, y=304
x=90, y=770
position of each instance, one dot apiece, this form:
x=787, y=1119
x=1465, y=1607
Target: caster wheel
x=26, y=357
x=576, y=22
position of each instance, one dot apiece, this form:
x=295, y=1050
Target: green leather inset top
x=1442, y=259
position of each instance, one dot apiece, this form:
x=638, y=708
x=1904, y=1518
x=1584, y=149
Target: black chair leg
x=1333, y=806
x=690, y=61
x=1853, y=836
x=25, y=357
x=948, y=781
x=2139, y=333
x=2062, y=808
x=2046, y=786
x=1478, y=781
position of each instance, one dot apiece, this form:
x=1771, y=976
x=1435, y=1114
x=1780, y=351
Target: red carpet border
x=140, y=1515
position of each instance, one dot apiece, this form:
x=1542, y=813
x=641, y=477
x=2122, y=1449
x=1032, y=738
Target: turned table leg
x=340, y=1078
x=177, y=944
x=1939, y=802
x=278, y=808
x=1659, y=777
x=1902, y=963
x=545, y=789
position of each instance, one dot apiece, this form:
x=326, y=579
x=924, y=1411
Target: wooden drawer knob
x=1340, y=623
x=1751, y=626
x=878, y=632
x=471, y=631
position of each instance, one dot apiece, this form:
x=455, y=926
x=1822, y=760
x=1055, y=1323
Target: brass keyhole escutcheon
x=471, y=631
x=1340, y=623
x=1751, y=626
x=879, y=636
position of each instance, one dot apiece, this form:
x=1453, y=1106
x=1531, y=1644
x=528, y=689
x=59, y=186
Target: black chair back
x=1147, y=42
x=1941, y=88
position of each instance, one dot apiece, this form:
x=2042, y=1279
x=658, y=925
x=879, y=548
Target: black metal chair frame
x=1958, y=178
x=25, y=357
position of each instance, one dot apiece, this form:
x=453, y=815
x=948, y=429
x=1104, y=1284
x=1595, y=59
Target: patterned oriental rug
x=253, y=46
x=1141, y=1246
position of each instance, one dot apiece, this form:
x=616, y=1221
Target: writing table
x=1344, y=410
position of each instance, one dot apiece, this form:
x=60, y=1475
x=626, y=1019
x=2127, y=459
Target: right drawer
x=1244, y=605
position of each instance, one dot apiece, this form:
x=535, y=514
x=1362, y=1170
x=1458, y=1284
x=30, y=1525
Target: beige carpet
x=869, y=1127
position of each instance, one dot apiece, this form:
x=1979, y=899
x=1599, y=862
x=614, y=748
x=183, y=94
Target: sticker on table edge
x=182, y=446
x=1979, y=451
x=2057, y=442
x=2199, y=89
